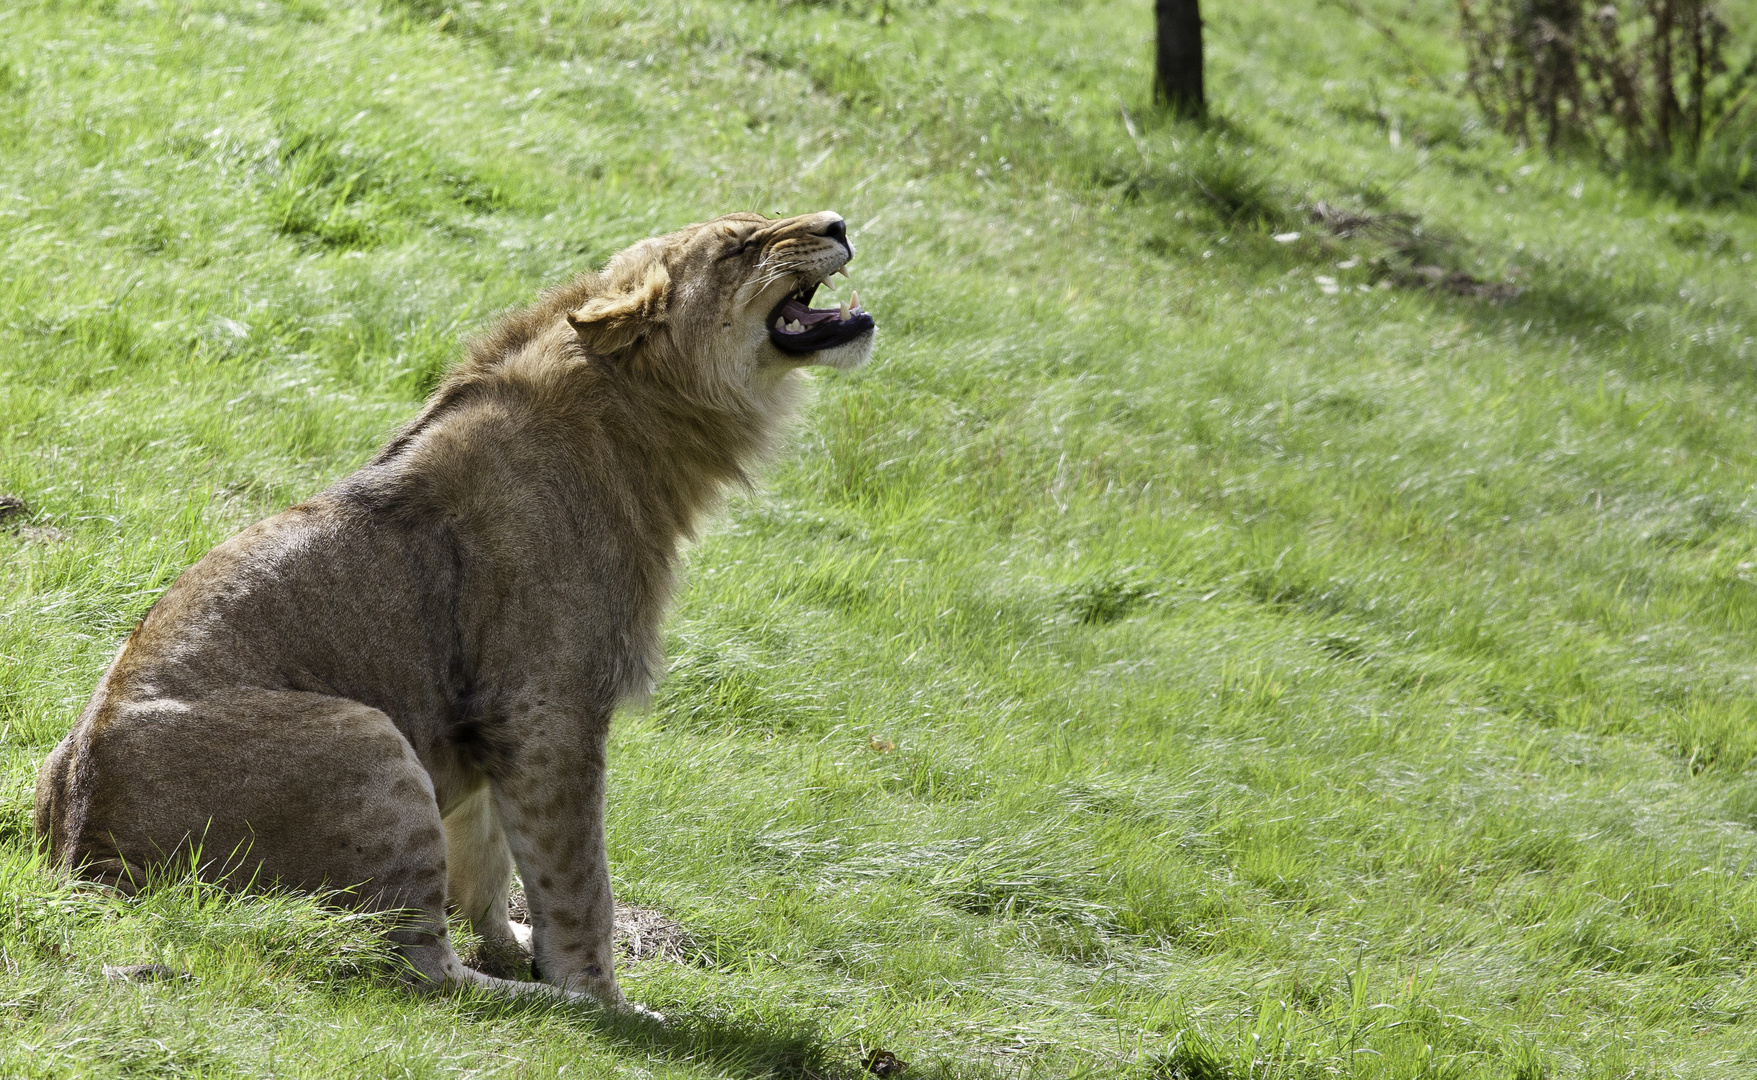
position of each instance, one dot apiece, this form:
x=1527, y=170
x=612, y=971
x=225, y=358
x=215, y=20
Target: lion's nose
x=837, y=230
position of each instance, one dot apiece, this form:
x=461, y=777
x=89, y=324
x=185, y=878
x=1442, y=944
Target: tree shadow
x=1634, y=327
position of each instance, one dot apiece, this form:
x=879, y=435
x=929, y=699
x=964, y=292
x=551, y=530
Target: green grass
x=1284, y=678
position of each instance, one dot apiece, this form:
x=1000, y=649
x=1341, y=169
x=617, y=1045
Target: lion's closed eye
x=733, y=243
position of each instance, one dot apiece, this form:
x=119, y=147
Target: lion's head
x=725, y=306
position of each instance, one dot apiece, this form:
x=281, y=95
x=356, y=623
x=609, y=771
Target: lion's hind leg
x=257, y=788
x=267, y=788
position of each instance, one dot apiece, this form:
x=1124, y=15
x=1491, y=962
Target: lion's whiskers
x=765, y=275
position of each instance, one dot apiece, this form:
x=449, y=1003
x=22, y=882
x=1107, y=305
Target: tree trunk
x=1177, y=73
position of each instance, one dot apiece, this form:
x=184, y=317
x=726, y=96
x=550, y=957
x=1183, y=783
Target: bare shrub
x=1635, y=79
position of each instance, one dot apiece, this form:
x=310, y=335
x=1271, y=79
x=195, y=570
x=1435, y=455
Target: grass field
x=1182, y=653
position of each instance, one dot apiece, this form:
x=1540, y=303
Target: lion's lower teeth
x=795, y=326
x=780, y=324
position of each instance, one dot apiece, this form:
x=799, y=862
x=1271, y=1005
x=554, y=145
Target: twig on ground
x=1129, y=126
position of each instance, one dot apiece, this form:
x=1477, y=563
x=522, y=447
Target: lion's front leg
x=479, y=868
x=554, y=821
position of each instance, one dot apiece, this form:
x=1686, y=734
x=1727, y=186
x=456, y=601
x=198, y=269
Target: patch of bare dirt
x=641, y=933
x=1459, y=283
x=14, y=512
x=1411, y=257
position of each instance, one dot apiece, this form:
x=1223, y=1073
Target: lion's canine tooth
x=854, y=300
x=843, y=270
x=780, y=324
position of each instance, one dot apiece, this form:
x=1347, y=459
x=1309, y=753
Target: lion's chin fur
x=845, y=357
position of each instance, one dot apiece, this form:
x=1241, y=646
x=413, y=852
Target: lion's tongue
x=794, y=311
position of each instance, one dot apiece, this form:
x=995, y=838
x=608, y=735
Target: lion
x=402, y=688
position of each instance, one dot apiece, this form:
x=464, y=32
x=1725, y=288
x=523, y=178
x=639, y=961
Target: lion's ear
x=613, y=322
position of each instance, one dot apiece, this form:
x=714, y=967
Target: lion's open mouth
x=798, y=328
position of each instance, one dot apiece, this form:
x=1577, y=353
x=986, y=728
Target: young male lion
x=404, y=685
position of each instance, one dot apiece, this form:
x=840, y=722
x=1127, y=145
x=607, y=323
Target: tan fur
x=404, y=686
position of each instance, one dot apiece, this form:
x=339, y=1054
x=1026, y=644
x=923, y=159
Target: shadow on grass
x=1223, y=178
x=728, y=1046
x=1573, y=304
